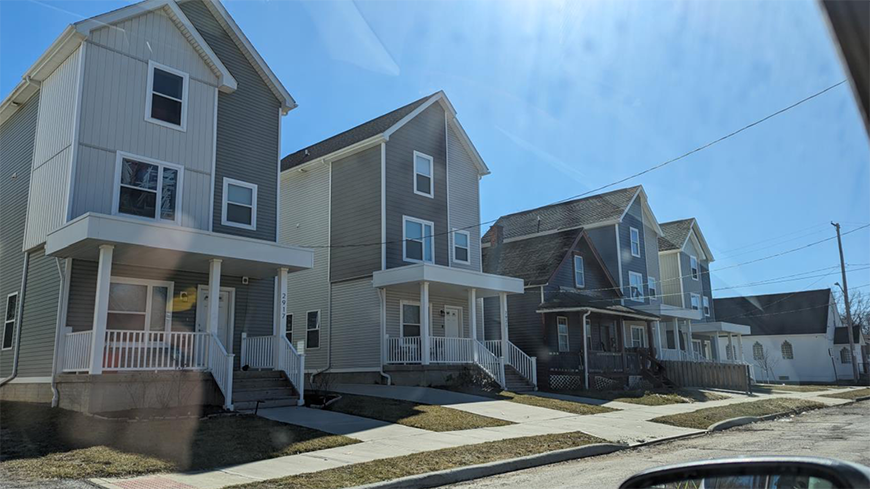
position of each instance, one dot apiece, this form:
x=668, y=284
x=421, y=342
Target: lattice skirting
x=566, y=382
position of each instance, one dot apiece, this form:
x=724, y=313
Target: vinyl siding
x=247, y=128
x=706, y=289
x=690, y=285
x=52, y=152
x=604, y=239
x=670, y=279
x=356, y=215
x=39, y=316
x=632, y=219
x=425, y=134
x=395, y=298
x=16, y=152
x=464, y=199
x=356, y=325
x=651, y=255
x=596, y=278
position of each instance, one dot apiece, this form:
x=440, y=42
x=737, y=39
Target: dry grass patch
x=852, y=394
x=421, y=463
x=654, y=397
x=557, y=404
x=772, y=388
x=415, y=415
x=703, y=418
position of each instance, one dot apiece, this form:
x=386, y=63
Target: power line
x=792, y=310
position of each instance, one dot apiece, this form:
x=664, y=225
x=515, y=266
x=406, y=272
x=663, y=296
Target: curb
x=460, y=474
x=733, y=422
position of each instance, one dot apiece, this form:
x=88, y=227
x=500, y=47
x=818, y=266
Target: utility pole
x=846, y=303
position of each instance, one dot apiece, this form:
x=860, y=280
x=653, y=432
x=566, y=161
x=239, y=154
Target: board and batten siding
x=356, y=326
x=305, y=222
x=464, y=199
x=395, y=298
x=39, y=316
x=52, y=152
x=425, y=134
x=247, y=128
x=16, y=154
x=356, y=215
x=670, y=280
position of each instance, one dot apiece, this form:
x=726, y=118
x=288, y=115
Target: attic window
x=423, y=166
x=579, y=272
x=635, y=242
x=693, y=263
x=166, y=102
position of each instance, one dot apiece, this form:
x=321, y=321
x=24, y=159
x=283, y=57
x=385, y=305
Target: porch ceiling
x=147, y=244
x=446, y=281
x=721, y=327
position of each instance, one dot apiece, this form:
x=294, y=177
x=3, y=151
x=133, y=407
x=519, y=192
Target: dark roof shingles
x=674, y=234
x=534, y=260
x=789, y=313
x=568, y=300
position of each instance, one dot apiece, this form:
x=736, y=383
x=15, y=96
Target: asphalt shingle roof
x=674, y=234
x=569, y=300
x=840, y=337
x=778, y=314
x=351, y=136
x=534, y=260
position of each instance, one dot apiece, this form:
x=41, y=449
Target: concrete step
x=257, y=374
x=262, y=394
x=271, y=403
x=261, y=384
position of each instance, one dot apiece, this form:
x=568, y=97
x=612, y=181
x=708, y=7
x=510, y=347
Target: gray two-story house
x=391, y=208
x=140, y=174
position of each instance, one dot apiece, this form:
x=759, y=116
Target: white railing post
x=424, y=323
x=281, y=320
x=472, y=312
x=228, y=395
x=243, y=352
x=101, y=309
x=300, y=348
x=535, y=372
x=501, y=375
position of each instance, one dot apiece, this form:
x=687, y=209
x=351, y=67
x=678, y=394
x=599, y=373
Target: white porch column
x=472, y=319
x=657, y=338
x=101, y=308
x=281, y=326
x=503, y=316
x=731, y=348
x=424, y=322
x=214, y=294
x=689, y=346
x=740, y=347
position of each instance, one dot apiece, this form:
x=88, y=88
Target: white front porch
x=685, y=341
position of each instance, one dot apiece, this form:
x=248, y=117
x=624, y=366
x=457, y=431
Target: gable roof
x=566, y=301
x=378, y=130
x=675, y=235
x=842, y=338
x=789, y=313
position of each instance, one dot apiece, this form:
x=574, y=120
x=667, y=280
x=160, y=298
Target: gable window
x=845, y=357
x=166, y=102
x=460, y=247
x=693, y=264
x=423, y=182
x=562, y=326
x=289, y=321
x=651, y=286
x=787, y=351
x=239, y=204
x=418, y=240
x=9, y=320
x=696, y=302
x=139, y=305
x=635, y=242
x=579, y=272
x=757, y=351
x=635, y=283
x=638, y=338
x=312, y=334
x=706, y=306
x=148, y=189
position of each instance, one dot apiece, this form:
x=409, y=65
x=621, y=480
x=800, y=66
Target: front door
x=452, y=322
x=224, y=331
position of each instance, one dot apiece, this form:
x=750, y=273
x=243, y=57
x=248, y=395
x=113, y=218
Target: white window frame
x=289, y=315
x=402, y=305
x=405, y=239
x=14, y=320
x=225, y=202
x=170, y=297
x=694, y=267
x=692, y=302
x=116, y=191
x=150, y=91
x=705, y=303
x=639, y=287
x=417, y=191
x=560, y=334
x=642, y=330
x=652, y=288
x=318, y=329
x=634, y=237
x=579, y=272
x=698, y=347
x=468, y=248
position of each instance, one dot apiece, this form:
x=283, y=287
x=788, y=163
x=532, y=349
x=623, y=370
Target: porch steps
x=516, y=382
x=271, y=388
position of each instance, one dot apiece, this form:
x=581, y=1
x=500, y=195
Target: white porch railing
x=76, y=351
x=490, y=363
x=155, y=350
x=451, y=350
x=494, y=346
x=403, y=350
x=292, y=362
x=220, y=363
x=525, y=365
x=257, y=351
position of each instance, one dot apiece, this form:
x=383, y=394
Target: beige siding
x=395, y=298
x=356, y=325
x=464, y=199
x=670, y=281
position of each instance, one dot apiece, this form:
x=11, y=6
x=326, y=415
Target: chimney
x=497, y=236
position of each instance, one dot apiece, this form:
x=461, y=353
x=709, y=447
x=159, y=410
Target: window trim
x=405, y=239
x=698, y=347
x=694, y=270
x=757, y=353
x=559, y=335
x=289, y=316
x=705, y=306
x=632, y=329
x=402, y=304
x=652, y=288
x=632, y=234
x=149, y=92
x=170, y=298
x=116, y=191
x=693, y=295
x=790, y=350
x=845, y=356
x=318, y=329
x=468, y=248
x=417, y=191
x=582, y=270
x=640, y=297
x=224, y=202
x=14, y=320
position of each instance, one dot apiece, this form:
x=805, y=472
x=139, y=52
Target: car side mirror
x=754, y=473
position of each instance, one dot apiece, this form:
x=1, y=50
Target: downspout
x=585, y=351
x=19, y=319
x=383, y=294
x=328, y=337
x=55, y=396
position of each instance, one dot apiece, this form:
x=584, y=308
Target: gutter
x=383, y=294
x=19, y=319
x=585, y=351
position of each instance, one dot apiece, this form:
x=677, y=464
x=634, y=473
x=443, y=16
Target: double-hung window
x=706, y=306
x=635, y=242
x=638, y=338
x=166, y=102
x=461, y=240
x=693, y=264
x=562, y=326
x=148, y=188
x=579, y=272
x=410, y=319
x=635, y=286
x=9, y=317
x=695, y=301
x=312, y=334
x=418, y=240
x=139, y=305
x=423, y=171
x=239, y=204
x=289, y=321
x=652, y=288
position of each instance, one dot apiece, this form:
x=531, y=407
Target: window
x=148, y=189
x=635, y=242
x=757, y=351
x=696, y=302
x=9, y=320
x=423, y=175
x=239, y=204
x=289, y=321
x=562, y=326
x=651, y=285
x=698, y=347
x=579, y=272
x=166, y=102
x=787, y=351
x=460, y=246
x=635, y=282
x=139, y=305
x=706, y=306
x=418, y=240
x=638, y=338
x=693, y=264
x=312, y=337
x=410, y=319
x=845, y=357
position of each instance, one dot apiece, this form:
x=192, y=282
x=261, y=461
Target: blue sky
x=560, y=97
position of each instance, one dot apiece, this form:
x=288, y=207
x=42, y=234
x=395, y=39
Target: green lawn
x=423, y=416
x=703, y=418
x=852, y=394
x=653, y=397
x=43, y=443
x=421, y=463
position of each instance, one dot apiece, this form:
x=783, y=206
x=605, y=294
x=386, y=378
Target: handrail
x=403, y=349
x=292, y=363
x=76, y=350
x=522, y=363
x=451, y=350
x=220, y=364
x=489, y=363
x=155, y=350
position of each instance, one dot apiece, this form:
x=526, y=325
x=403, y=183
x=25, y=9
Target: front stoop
x=514, y=382
x=270, y=387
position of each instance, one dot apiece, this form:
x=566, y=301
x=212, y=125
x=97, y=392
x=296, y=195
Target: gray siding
x=604, y=239
x=525, y=326
x=464, y=200
x=356, y=325
x=395, y=298
x=356, y=215
x=632, y=219
x=425, y=133
x=595, y=276
x=16, y=153
x=690, y=285
x=39, y=316
x=670, y=279
x=651, y=255
x=247, y=128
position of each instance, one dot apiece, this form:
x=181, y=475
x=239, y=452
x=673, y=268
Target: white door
x=224, y=332
x=452, y=322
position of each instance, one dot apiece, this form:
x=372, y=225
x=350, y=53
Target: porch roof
x=447, y=279
x=573, y=302
x=720, y=327
x=667, y=311
x=149, y=244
